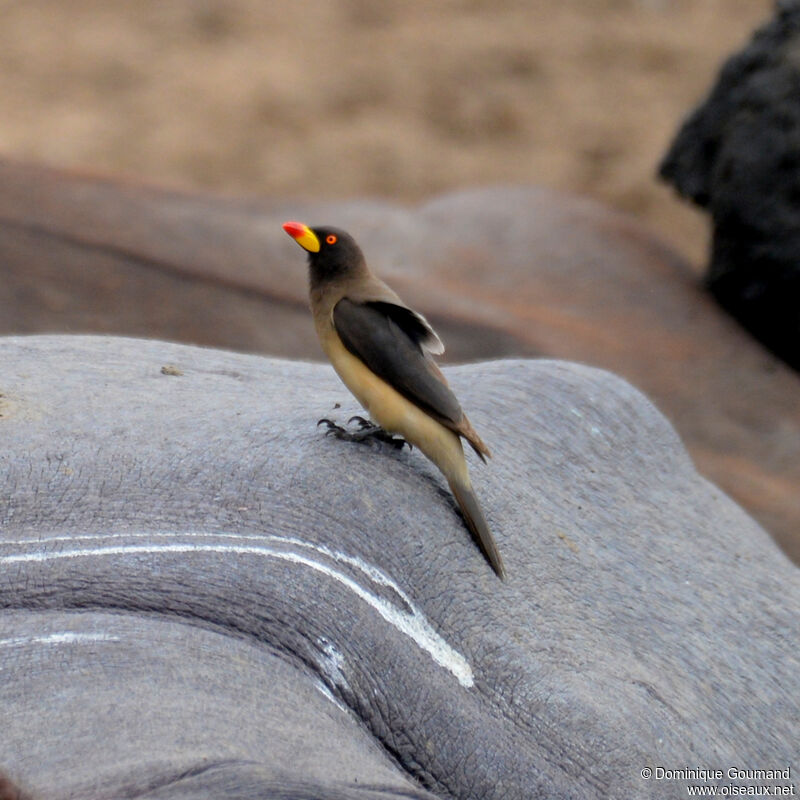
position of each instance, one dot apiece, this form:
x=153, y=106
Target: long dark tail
x=477, y=525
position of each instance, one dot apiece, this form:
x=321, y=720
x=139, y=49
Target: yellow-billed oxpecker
x=382, y=350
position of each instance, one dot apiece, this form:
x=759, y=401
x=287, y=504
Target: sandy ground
x=354, y=97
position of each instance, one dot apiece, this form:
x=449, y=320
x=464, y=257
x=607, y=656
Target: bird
x=383, y=352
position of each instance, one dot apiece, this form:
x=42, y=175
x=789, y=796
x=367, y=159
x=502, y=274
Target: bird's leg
x=367, y=430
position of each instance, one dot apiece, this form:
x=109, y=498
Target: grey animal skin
x=203, y=596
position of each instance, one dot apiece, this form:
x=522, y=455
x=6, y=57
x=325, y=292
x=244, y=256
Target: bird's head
x=332, y=252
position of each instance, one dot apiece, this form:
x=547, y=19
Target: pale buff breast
x=391, y=410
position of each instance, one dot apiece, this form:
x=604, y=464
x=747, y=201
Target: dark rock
x=738, y=155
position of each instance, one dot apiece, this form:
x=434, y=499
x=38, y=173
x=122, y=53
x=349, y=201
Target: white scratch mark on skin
x=373, y=573
x=64, y=637
x=329, y=695
x=411, y=624
x=331, y=662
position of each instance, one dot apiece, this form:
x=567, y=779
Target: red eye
x=331, y=239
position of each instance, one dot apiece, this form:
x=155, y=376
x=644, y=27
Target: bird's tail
x=477, y=524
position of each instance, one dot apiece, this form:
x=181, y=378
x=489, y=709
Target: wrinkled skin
x=204, y=596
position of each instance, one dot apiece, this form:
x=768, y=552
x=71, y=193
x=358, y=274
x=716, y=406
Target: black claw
x=333, y=428
x=367, y=430
x=362, y=423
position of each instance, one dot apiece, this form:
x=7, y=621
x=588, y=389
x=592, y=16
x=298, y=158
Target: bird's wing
x=413, y=323
x=391, y=340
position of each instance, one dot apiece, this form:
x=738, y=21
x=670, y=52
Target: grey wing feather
x=389, y=339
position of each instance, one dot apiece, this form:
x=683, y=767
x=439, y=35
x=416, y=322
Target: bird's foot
x=367, y=430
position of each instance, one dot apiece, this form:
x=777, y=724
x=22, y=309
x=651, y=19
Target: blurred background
x=321, y=99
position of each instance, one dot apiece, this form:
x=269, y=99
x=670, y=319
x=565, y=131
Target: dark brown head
x=332, y=253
